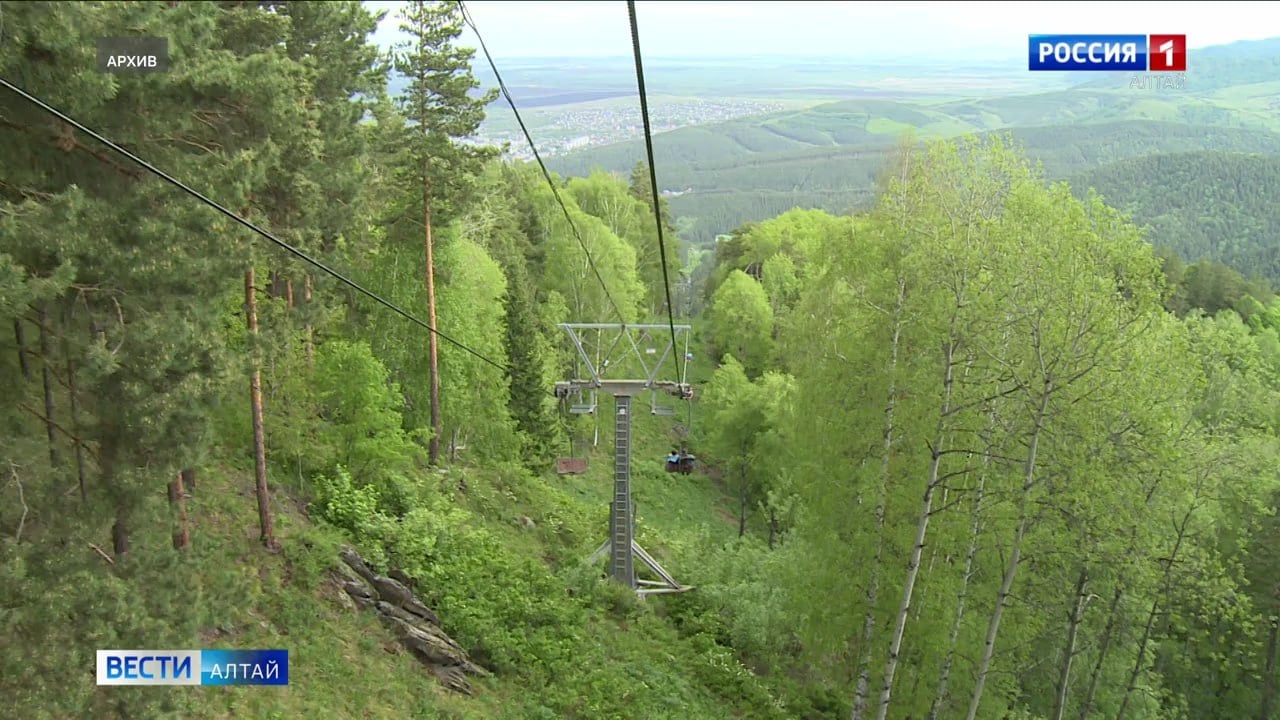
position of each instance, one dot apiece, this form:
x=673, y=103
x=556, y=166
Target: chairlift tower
x=621, y=546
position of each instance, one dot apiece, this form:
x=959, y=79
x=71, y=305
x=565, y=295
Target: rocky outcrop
x=414, y=624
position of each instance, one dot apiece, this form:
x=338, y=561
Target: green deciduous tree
x=741, y=322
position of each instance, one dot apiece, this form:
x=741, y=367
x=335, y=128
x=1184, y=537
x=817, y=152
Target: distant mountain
x=827, y=156
x=877, y=121
x=1215, y=205
x=729, y=192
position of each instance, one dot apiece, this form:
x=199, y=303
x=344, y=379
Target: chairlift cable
x=502, y=87
x=653, y=172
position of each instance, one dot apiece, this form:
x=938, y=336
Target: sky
x=856, y=30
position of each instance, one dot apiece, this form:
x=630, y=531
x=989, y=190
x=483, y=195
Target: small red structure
x=571, y=466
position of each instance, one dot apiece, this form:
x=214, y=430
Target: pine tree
x=439, y=105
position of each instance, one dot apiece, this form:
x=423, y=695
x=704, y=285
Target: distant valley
x=753, y=153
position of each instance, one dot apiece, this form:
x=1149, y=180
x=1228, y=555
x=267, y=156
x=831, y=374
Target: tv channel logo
x=1155, y=53
x=193, y=667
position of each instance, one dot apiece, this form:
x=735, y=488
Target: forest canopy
x=978, y=450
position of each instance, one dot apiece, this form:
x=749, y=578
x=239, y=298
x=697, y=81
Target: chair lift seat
x=571, y=466
x=686, y=464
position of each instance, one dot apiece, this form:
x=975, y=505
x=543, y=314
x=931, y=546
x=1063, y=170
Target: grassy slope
x=344, y=664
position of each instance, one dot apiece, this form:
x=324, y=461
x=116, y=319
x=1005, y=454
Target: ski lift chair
x=686, y=464
x=657, y=409
x=574, y=464
x=673, y=462
x=571, y=466
x=578, y=405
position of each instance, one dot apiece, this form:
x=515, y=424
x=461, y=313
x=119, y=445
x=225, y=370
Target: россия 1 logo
x=1157, y=53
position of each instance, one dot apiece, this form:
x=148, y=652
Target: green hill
x=1233, y=95
x=1214, y=205
x=837, y=124
x=826, y=156
x=225, y=591
x=727, y=193
x=1117, y=103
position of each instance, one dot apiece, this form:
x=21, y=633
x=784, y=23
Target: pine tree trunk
x=922, y=527
x=275, y=285
x=178, y=503
x=120, y=543
x=108, y=451
x=742, y=501
x=773, y=527
x=863, y=688
x=46, y=360
x=1073, y=632
x=19, y=335
x=189, y=480
x=255, y=399
x=306, y=298
x=1086, y=707
x=433, y=451
x=74, y=404
x=1015, y=555
x=288, y=293
x=1269, y=676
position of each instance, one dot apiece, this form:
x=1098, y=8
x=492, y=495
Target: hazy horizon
x=981, y=32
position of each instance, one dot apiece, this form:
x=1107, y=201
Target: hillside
x=824, y=156
x=1214, y=205
x=343, y=662
x=964, y=456
x=833, y=126
x=195, y=421
x=879, y=361
x=725, y=194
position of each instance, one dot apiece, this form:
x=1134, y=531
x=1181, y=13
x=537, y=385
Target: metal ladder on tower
x=620, y=538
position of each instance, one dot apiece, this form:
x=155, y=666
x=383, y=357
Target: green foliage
x=564, y=265
x=972, y=244
x=537, y=634
x=474, y=394
x=957, y=437
x=741, y=322
x=1212, y=205
x=363, y=432
x=608, y=198
x=494, y=224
